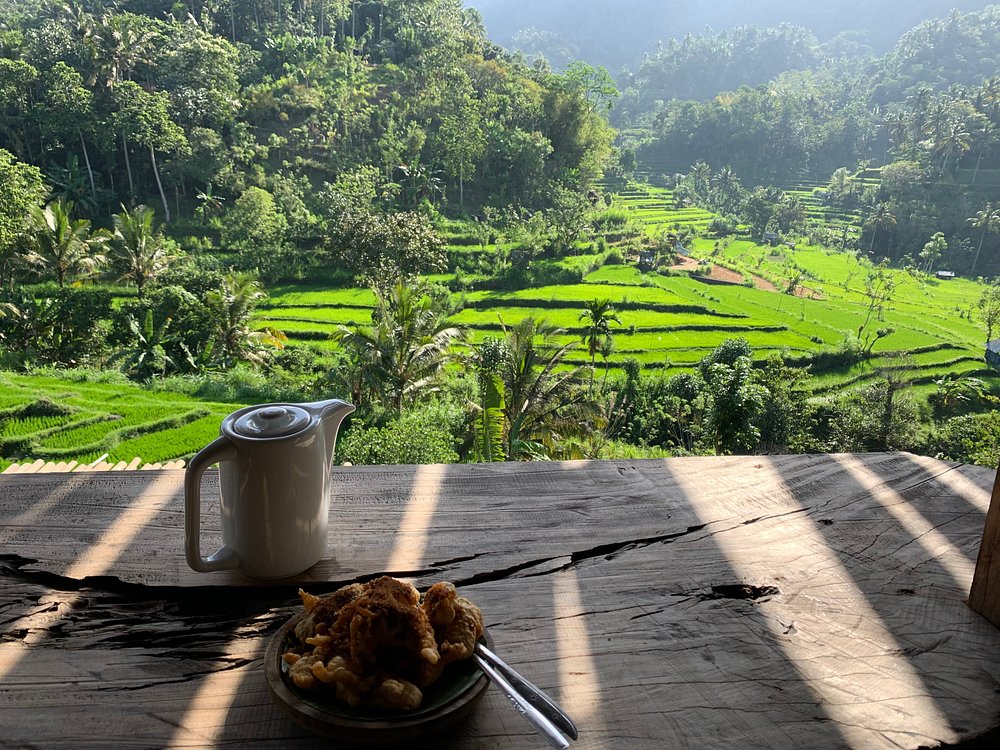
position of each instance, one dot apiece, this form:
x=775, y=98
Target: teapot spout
x=331, y=414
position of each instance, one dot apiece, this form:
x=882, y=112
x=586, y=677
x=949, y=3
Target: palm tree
x=539, y=396
x=982, y=139
x=211, y=204
x=897, y=129
x=988, y=221
x=701, y=175
x=918, y=103
x=233, y=305
x=407, y=344
x=598, y=315
x=953, y=141
x=881, y=217
x=64, y=245
x=728, y=186
x=140, y=249
x=939, y=118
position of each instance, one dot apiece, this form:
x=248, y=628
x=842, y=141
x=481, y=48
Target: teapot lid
x=276, y=420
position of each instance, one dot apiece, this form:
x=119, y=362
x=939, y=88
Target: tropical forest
x=502, y=236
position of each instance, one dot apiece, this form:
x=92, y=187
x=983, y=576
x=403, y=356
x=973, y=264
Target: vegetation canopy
x=761, y=238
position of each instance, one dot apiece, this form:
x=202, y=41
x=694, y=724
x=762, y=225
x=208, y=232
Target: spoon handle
x=533, y=694
x=531, y=714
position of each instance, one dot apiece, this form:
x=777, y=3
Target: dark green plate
x=446, y=702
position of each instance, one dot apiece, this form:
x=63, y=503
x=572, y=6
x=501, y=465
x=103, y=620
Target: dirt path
x=720, y=274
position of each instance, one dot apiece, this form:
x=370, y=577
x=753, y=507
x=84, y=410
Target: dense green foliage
x=247, y=202
x=260, y=106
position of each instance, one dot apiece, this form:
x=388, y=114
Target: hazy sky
x=624, y=29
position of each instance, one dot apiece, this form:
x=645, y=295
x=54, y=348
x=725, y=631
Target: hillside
x=373, y=201
x=619, y=34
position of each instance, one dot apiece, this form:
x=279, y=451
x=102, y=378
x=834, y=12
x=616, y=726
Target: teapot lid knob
x=271, y=421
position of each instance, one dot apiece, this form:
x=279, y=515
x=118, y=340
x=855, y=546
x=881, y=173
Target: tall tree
x=65, y=112
x=144, y=117
x=65, y=246
x=598, y=315
x=986, y=221
x=139, y=249
x=21, y=191
x=463, y=141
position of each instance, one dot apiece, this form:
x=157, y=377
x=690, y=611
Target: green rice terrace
x=57, y=419
x=795, y=301
x=720, y=291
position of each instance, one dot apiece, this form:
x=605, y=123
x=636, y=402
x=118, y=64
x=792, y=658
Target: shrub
x=971, y=438
x=612, y=218
x=613, y=257
x=420, y=436
x=240, y=384
x=721, y=226
x=849, y=352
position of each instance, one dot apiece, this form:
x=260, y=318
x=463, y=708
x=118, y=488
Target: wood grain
x=984, y=597
x=779, y=601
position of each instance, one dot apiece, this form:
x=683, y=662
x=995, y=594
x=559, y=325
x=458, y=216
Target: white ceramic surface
x=274, y=466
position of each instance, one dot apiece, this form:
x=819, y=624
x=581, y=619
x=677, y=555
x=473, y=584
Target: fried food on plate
x=377, y=644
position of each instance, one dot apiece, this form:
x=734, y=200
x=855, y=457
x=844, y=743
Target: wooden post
x=985, y=594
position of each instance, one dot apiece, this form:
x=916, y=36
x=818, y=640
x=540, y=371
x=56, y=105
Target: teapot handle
x=219, y=449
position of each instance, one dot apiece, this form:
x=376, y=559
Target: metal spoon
x=538, y=709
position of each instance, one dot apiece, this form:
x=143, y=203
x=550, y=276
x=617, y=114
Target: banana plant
x=488, y=360
x=148, y=354
x=489, y=420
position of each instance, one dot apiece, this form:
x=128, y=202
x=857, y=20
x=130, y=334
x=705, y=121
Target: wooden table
x=754, y=602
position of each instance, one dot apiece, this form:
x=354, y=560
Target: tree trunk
x=128, y=168
x=978, y=249
x=86, y=160
x=159, y=184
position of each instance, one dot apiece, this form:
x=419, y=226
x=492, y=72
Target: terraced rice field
x=54, y=418
x=669, y=322
x=655, y=208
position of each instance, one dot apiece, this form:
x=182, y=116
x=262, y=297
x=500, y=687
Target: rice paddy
x=668, y=322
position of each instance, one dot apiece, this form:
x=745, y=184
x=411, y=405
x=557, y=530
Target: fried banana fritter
x=377, y=644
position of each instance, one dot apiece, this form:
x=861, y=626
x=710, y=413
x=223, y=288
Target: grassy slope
x=671, y=322
x=667, y=322
x=121, y=420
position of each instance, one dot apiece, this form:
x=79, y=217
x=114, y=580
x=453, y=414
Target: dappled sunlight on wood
x=958, y=484
x=418, y=521
x=95, y=561
x=205, y=718
x=832, y=624
x=935, y=544
x=579, y=685
x=31, y=515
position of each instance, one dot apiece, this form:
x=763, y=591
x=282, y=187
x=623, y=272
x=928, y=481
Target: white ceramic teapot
x=274, y=469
